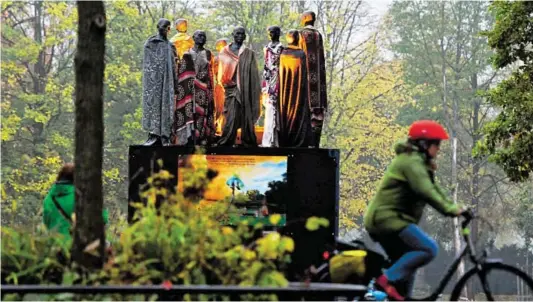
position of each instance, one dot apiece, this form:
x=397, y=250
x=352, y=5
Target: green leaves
x=509, y=138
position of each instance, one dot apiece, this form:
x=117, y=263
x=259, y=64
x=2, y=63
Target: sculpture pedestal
x=258, y=135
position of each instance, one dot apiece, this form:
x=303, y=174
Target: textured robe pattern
x=270, y=85
x=203, y=95
x=294, y=119
x=183, y=127
x=311, y=42
x=159, y=82
x=240, y=77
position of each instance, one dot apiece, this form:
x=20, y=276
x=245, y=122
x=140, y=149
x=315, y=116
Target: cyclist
x=392, y=216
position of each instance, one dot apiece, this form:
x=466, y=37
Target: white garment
x=270, y=133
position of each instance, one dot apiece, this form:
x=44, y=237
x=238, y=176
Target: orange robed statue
x=182, y=41
x=219, y=89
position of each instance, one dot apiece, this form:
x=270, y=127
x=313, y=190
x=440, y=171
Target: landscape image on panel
x=256, y=185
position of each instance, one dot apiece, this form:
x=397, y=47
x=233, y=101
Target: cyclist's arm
x=418, y=178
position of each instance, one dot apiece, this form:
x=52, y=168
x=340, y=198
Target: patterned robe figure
x=183, y=127
x=158, y=81
x=294, y=119
x=311, y=42
x=242, y=92
x=203, y=95
x=218, y=89
x=270, y=85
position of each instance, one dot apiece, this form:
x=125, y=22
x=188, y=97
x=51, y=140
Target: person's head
x=66, y=173
x=427, y=135
x=163, y=27
x=199, y=37
x=292, y=37
x=220, y=44
x=239, y=34
x=181, y=25
x=308, y=18
x=274, y=32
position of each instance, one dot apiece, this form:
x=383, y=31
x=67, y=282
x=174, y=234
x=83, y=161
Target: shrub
x=174, y=240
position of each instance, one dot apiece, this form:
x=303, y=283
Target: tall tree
x=38, y=43
x=509, y=136
x=89, y=137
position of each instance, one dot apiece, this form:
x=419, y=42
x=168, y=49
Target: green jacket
x=403, y=193
x=64, y=192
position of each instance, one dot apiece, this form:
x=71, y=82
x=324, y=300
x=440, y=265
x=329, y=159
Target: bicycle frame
x=467, y=249
x=447, y=277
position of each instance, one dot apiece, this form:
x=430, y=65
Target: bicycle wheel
x=495, y=281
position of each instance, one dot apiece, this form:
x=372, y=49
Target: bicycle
x=483, y=266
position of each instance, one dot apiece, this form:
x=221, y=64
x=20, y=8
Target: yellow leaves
x=10, y=126
x=287, y=244
x=364, y=102
x=274, y=219
x=314, y=223
x=227, y=230
x=249, y=255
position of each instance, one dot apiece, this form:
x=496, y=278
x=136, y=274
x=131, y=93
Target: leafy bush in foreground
x=177, y=242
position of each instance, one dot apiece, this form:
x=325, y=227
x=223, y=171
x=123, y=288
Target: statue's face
x=274, y=33
x=163, y=27
x=220, y=45
x=200, y=38
x=239, y=35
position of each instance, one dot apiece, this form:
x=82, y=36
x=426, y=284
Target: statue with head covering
x=312, y=43
x=159, y=84
x=293, y=106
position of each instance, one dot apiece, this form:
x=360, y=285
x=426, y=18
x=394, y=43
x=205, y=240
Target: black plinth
x=312, y=177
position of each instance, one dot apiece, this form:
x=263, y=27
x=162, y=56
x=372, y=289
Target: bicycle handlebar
x=469, y=216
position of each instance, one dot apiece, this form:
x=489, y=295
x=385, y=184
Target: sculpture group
x=193, y=97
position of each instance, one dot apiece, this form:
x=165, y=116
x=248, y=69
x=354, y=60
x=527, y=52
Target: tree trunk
x=89, y=66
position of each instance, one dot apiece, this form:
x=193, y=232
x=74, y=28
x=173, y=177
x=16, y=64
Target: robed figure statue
x=270, y=87
x=183, y=128
x=238, y=73
x=311, y=42
x=203, y=89
x=219, y=89
x=159, y=83
x=294, y=119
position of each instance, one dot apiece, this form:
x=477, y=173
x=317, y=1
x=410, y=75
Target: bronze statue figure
x=270, y=87
x=219, y=89
x=159, y=82
x=294, y=118
x=203, y=89
x=181, y=40
x=238, y=73
x=311, y=42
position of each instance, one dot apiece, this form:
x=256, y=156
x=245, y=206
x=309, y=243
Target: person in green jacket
x=393, y=214
x=58, y=217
